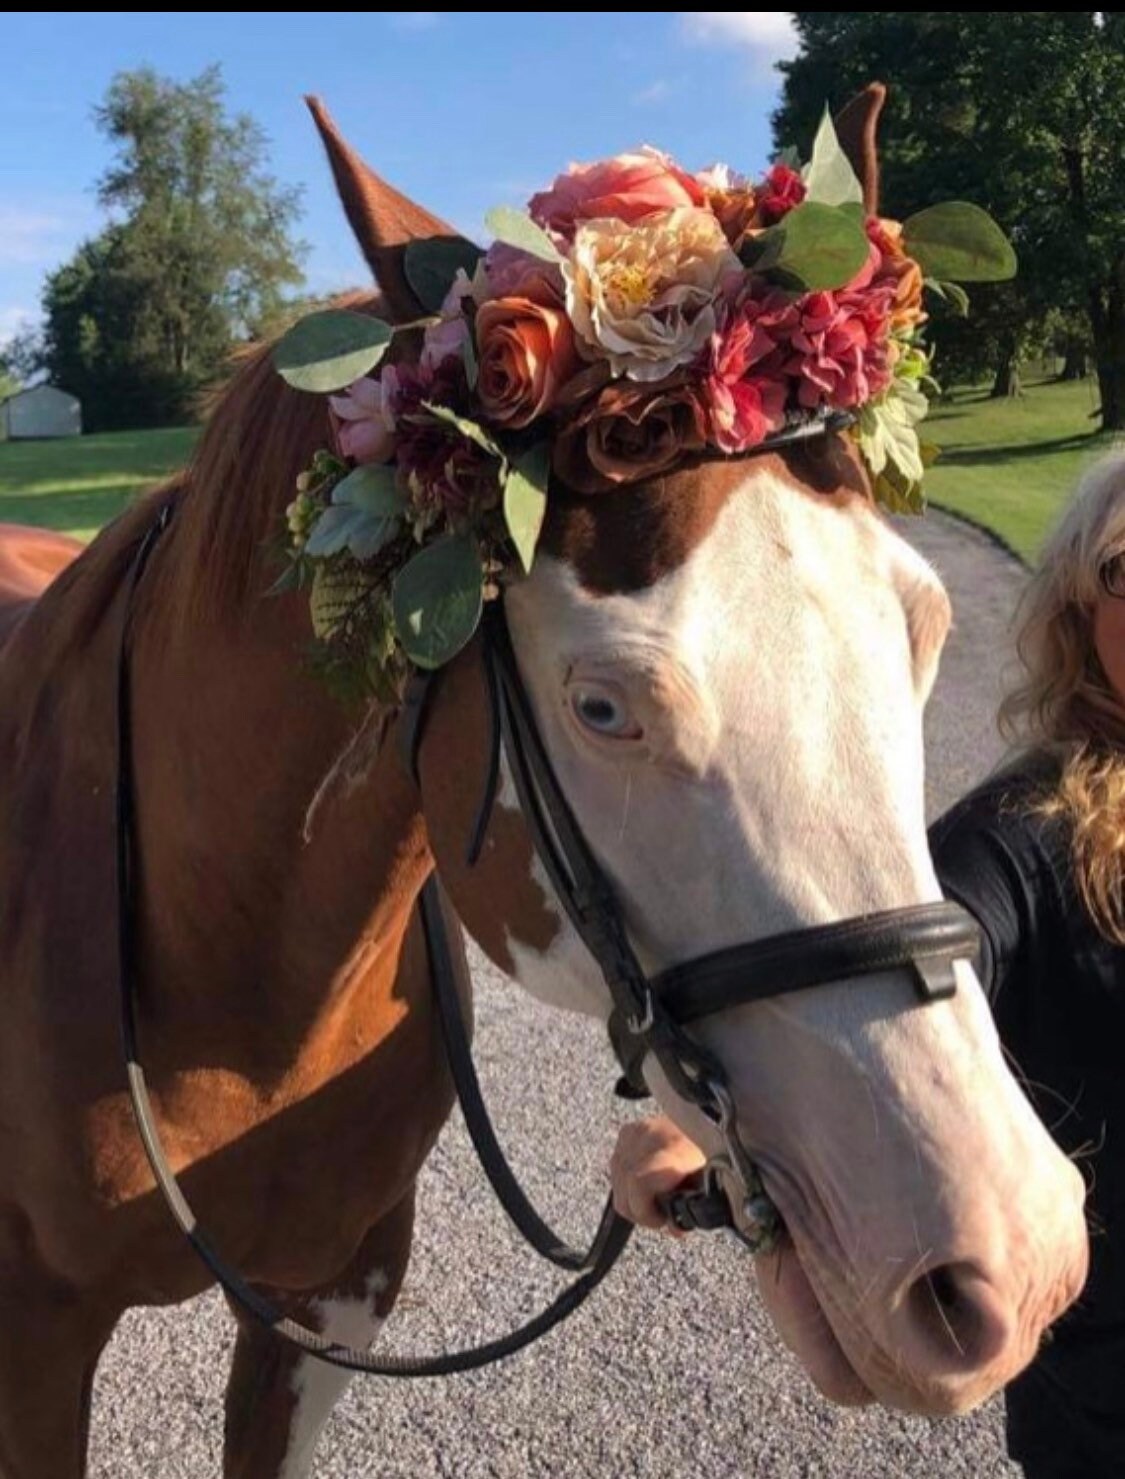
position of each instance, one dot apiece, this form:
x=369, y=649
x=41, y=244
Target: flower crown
x=634, y=316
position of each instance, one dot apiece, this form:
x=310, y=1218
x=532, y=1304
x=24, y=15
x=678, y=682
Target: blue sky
x=462, y=110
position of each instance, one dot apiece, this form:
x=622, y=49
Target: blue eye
x=602, y=713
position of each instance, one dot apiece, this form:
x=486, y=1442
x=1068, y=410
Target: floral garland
x=636, y=315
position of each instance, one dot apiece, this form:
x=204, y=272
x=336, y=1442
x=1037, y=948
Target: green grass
x=1007, y=464
x=1012, y=464
x=77, y=484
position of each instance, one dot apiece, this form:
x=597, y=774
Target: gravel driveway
x=671, y=1370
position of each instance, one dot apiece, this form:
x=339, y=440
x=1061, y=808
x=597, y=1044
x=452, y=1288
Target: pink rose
x=526, y=353
x=364, y=420
x=626, y=188
x=783, y=189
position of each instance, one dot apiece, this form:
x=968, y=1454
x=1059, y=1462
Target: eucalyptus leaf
x=373, y=487
x=958, y=242
x=470, y=429
x=327, y=351
x=525, y=500
x=829, y=176
x=364, y=515
x=822, y=247
x=516, y=228
x=790, y=156
x=431, y=265
x=437, y=600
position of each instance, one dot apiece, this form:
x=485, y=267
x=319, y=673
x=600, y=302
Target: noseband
x=649, y=1013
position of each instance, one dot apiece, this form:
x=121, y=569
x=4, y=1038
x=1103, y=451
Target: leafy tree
x=198, y=254
x=1021, y=111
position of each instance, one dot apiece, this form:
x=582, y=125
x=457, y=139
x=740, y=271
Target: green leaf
x=437, y=600
x=335, y=591
x=373, y=487
x=829, y=176
x=789, y=156
x=898, y=494
x=472, y=430
x=517, y=229
x=431, y=264
x=952, y=293
x=887, y=435
x=822, y=247
x=365, y=514
x=327, y=351
x=958, y=242
x=525, y=500
x=469, y=358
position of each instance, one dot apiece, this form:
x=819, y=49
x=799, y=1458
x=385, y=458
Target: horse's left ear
x=384, y=220
x=857, y=127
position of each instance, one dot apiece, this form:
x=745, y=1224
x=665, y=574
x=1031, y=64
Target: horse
x=728, y=664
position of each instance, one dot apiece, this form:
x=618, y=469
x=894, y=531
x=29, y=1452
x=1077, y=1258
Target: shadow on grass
x=66, y=511
x=988, y=456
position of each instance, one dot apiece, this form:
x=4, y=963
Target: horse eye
x=604, y=714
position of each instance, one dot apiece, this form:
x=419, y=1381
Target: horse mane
x=258, y=435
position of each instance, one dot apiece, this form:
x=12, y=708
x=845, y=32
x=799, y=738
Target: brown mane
x=259, y=434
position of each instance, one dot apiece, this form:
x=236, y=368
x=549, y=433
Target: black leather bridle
x=649, y=1014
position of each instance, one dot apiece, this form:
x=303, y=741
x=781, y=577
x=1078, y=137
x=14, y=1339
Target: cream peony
x=642, y=296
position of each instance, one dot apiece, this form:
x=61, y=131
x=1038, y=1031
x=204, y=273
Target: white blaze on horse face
x=742, y=746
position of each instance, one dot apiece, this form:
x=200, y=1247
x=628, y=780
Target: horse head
x=728, y=662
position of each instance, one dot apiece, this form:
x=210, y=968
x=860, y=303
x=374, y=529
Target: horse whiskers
x=353, y=764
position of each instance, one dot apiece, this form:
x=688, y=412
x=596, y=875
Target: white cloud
x=767, y=33
x=655, y=92
x=414, y=20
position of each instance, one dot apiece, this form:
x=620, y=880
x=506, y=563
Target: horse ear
x=383, y=220
x=857, y=127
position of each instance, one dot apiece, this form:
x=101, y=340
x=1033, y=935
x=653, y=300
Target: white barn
x=41, y=411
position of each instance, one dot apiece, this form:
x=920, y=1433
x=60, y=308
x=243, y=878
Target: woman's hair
x=1064, y=700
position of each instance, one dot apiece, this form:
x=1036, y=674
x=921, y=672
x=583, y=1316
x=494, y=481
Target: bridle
x=649, y=1015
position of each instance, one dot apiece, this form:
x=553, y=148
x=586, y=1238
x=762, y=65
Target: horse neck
x=263, y=916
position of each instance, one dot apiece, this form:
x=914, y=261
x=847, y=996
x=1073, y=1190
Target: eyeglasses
x=1111, y=575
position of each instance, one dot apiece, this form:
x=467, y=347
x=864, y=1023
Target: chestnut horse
x=764, y=643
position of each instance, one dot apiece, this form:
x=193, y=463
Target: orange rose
x=906, y=312
x=628, y=433
x=526, y=353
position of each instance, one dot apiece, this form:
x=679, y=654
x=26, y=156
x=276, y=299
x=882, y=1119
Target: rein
x=592, y=1266
x=648, y=1014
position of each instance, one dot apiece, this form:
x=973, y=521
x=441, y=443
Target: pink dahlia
x=839, y=347
x=744, y=408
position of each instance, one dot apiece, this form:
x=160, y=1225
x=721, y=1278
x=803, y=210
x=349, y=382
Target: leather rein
x=648, y=1016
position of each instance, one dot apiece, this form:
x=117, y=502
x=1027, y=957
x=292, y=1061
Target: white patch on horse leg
x=316, y=1386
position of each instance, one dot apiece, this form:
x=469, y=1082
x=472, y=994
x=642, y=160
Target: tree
x=1020, y=111
x=197, y=256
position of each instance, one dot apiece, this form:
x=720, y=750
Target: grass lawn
x=1007, y=464
x=77, y=484
x=1011, y=464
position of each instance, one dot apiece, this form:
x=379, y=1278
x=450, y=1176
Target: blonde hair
x=1064, y=701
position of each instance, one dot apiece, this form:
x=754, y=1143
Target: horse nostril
x=959, y=1316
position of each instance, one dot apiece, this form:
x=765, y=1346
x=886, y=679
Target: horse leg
x=50, y=1341
x=279, y=1399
